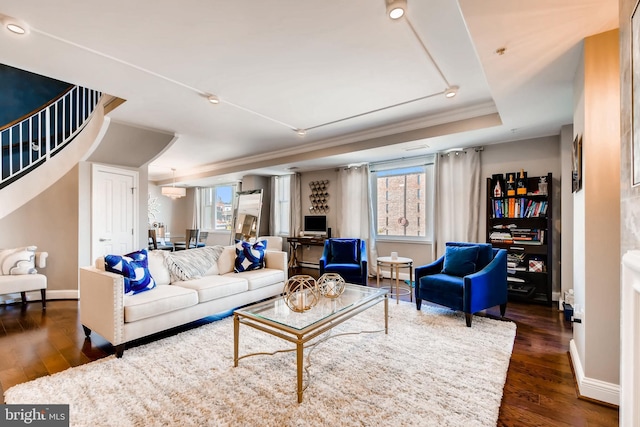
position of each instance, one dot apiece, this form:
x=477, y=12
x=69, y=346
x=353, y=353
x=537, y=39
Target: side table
x=396, y=264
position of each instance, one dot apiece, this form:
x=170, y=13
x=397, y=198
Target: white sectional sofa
x=120, y=318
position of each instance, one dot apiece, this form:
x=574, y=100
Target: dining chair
x=202, y=239
x=191, y=242
x=153, y=241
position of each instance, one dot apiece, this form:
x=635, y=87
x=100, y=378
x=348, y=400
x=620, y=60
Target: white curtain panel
x=272, y=206
x=457, y=198
x=197, y=209
x=355, y=218
x=295, y=214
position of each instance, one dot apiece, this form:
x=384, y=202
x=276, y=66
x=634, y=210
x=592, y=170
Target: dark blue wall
x=22, y=92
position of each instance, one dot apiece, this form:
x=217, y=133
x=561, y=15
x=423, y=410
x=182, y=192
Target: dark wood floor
x=539, y=390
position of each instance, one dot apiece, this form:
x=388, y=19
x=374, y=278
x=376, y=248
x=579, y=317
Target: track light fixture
x=15, y=26
x=451, y=91
x=396, y=8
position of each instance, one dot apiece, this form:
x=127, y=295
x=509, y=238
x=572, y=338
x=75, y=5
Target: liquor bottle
x=497, y=190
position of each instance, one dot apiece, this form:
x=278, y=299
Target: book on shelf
x=519, y=207
x=520, y=236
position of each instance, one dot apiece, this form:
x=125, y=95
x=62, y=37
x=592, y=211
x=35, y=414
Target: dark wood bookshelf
x=522, y=224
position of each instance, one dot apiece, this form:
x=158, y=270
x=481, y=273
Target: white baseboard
x=589, y=387
x=63, y=294
x=35, y=296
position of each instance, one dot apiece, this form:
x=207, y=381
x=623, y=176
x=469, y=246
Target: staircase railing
x=32, y=141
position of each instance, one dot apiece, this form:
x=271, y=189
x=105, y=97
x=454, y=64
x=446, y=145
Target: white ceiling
x=362, y=84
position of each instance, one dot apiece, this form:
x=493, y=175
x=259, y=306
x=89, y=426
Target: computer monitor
x=315, y=224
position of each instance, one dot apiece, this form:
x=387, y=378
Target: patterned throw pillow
x=18, y=261
x=134, y=268
x=250, y=256
x=193, y=263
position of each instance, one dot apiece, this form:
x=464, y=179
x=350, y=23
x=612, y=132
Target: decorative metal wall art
x=319, y=197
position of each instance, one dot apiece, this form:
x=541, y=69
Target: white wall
x=566, y=212
x=174, y=214
x=579, y=216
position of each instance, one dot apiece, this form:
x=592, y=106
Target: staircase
x=28, y=145
x=32, y=141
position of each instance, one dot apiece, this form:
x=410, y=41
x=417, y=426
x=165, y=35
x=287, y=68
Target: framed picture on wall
x=576, y=164
x=635, y=96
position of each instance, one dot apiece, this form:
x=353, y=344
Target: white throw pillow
x=158, y=267
x=18, y=261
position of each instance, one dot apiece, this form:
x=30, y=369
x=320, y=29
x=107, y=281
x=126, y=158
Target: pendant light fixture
x=174, y=192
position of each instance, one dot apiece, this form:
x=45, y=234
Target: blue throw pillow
x=250, y=256
x=134, y=268
x=344, y=251
x=460, y=260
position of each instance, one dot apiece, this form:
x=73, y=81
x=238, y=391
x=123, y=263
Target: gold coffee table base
x=300, y=328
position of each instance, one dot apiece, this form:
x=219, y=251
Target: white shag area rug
x=430, y=370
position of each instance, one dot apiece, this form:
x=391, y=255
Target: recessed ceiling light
x=16, y=29
x=451, y=91
x=301, y=132
x=15, y=25
x=213, y=99
x=396, y=8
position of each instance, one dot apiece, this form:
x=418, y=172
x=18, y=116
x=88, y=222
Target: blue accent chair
x=469, y=277
x=347, y=257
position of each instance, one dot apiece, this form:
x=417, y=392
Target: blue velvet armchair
x=469, y=277
x=347, y=257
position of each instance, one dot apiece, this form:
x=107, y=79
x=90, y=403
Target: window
x=403, y=192
x=217, y=207
x=281, y=198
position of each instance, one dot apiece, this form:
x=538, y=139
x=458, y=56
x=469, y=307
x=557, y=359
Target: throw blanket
x=193, y=263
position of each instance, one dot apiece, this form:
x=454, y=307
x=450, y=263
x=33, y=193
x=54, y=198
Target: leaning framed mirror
x=246, y=218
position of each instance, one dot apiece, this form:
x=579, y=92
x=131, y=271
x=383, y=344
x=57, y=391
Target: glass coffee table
x=274, y=317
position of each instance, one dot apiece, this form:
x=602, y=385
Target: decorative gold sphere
x=331, y=285
x=300, y=293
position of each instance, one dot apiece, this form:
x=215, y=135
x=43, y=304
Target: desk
x=396, y=264
x=296, y=242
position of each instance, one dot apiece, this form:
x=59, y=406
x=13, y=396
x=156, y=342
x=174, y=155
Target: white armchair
x=11, y=283
x=274, y=243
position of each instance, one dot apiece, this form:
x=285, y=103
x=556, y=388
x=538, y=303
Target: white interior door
x=114, y=209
